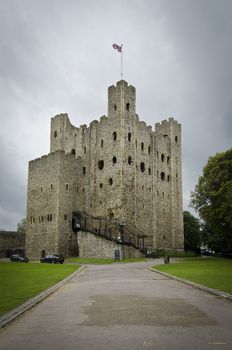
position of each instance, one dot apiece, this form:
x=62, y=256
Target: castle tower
x=117, y=168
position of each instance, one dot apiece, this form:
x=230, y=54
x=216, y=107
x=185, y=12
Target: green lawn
x=102, y=261
x=211, y=272
x=21, y=281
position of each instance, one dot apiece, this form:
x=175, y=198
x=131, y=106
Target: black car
x=18, y=258
x=52, y=259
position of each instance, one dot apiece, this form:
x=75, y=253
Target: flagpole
x=121, y=63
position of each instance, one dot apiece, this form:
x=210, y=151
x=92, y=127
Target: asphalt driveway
x=123, y=306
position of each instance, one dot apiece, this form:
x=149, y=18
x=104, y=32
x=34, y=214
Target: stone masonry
x=117, y=168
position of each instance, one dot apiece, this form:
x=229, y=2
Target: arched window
x=114, y=160
x=162, y=175
x=162, y=157
x=102, y=143
x=114, y=136
x=100, y=164
x=142, y=167
x=127, y=106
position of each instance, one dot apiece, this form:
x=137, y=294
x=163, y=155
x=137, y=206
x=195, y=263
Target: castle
x=118, y=169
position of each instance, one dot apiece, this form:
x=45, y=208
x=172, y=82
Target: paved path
x=126, y=307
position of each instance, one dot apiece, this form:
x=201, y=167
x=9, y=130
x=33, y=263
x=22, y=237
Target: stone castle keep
x=117, y=172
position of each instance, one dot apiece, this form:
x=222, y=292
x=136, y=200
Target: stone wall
x=11, y=242
x=91, y=246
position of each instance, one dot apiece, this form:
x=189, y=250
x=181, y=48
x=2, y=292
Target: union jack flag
x=117, y=47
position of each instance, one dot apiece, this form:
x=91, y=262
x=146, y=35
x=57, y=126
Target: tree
x=192, y=234
x=212, y=199
x=21, y=227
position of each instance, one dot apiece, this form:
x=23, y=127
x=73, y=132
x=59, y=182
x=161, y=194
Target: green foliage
x=212, y=199
x=20, y=281
x=21, y=227
x=102, y=261
x=211, y=272
x=192, y=234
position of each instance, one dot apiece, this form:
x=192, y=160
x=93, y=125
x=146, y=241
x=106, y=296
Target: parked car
x=18, y=258
x=52, y=259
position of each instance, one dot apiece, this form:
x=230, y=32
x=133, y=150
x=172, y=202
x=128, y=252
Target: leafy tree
x=192, y=234
x=21, y=227
x=212, y=199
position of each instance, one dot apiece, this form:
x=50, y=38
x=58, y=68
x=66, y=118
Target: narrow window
x=115, y=107
x=168, y=159
x=110, y=181
x=157, y=193
x=142, y=146
x=66, y=187
x=114, y=136
x=176, y=139
x=55, y=134
x=84, y=170
x=149, y=171
x=162, y=175
x=100, y=185
x=77, y=189
x=48, y=217
x=168, y=178
x=136, y=143
x=149, y=150
x=83, y=190
x=129, y=160
x=84, y=149
x=127, y=106
x=163, y=195
x=114, y=160
x=142, y=167
x=51, y=186
x=73, y=151
x=102, y=143
x=65, y=216
x=42, y=219
x=162, y=157
x=41, y=189
x=129, y=136
x=100, y=164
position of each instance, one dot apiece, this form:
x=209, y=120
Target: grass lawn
x=211, y=272
x=102, y=261
x=21, y=281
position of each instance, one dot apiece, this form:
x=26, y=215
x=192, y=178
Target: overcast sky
x=56, y=56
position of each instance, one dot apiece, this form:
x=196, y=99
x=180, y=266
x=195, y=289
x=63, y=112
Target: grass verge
x=21, y=281
x=211, y=272
x=101, y=261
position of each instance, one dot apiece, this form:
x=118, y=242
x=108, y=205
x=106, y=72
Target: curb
x=195, y=285
x=18, y=311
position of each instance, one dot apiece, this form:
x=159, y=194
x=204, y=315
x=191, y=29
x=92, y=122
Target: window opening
x=114, y=136
x=149, y=150
x=66, y=187
x=84, y=149
x=142, y=167
x=55, y=133
x=162, y=157
x=149, y=171
x=50, y=217
x=110, y=181
x=41, y=189
x=84, y=170
x=162, y=175
x=73, y=151
x=168, y=159
x=129, y=160
x=114, y=160
x=65, y=216
x=176, y=139
x=142, y=146
x=168, y=178
x=100, y=185
x=51, y=186
x=129, y=136
x=100, y=164
x=102, y=143
x=127, y=106
x=115, y=107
